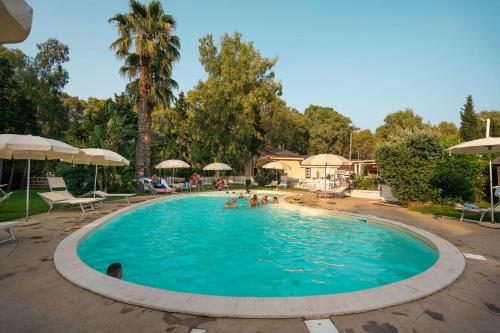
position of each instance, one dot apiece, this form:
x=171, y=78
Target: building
x=290, y=158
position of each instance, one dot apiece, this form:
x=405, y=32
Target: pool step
x=321, y=326
x=198, y=330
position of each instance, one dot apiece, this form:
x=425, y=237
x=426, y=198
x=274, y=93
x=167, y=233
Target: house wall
x=295, y=172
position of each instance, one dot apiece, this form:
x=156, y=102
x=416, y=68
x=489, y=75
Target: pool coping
x=446, y=270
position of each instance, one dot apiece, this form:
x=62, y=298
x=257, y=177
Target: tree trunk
x=143, y=148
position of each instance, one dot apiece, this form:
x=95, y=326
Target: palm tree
x=149, y=49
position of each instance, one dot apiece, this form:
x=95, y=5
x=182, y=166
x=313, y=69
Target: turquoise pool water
x=191, y=244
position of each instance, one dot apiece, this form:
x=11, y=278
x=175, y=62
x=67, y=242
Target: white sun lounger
x=7, y=226
x=4, y=196
x=340, y=190
x=482, y=211
x=274, y=183
x=105, y=195
x=63, y=197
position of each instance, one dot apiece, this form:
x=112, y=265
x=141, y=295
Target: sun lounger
x=4, y=196
x=155, y=191
x=7, y=226
x=59, y=195
x=477, y=210
x=339, y=191
x=105, y=195
x=283, y=184
x=274, y=183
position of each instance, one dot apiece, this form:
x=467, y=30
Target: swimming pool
x=191, y=244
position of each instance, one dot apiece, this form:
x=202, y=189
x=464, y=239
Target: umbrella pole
x=95, y=180
x=325, y=177
x=491, y=194
x=28, y=187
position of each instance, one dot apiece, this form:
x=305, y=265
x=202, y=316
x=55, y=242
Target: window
x=308, y=173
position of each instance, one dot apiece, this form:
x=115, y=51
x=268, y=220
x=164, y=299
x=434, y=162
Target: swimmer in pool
x=264, y=200
x=275, y=200
x=253, y=201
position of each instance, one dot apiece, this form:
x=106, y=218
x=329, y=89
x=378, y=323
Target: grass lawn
x=443, y=210
x=14, y=206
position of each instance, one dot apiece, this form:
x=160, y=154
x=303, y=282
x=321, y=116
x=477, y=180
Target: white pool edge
x=445, y=271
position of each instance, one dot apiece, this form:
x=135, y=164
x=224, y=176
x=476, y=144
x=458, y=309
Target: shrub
x=460, y=178
x=365, y=183
x=264, y=176
x=408, y=162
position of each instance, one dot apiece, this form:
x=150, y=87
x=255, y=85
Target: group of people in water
x=252, y=202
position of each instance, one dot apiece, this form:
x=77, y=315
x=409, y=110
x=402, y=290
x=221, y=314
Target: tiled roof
x=279, y=152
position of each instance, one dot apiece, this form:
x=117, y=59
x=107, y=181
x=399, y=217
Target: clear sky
x=364, y=58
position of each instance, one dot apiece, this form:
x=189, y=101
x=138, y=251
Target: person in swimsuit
x=253, y=201
x=264, y=200
x=275, y=200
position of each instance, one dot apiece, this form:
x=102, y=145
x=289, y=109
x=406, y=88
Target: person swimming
x=264, y=200
x=254, y=201
x=241, y=196
x=231, y=204
x=275, y=200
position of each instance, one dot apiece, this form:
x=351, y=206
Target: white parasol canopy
x=217, y=167
x=172, y=164
x=276, y=166
x=486, y=145
x=27, y=147
x=15, y=18
x=325, y=160
x=98, y=156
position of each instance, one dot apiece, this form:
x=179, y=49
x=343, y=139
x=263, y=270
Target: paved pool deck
x=35, y=298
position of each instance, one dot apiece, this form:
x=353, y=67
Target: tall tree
x=329, y=131
x=470, y=127
x=229, y=107
x=395, y=121
x=363, y=144
x=148, y=47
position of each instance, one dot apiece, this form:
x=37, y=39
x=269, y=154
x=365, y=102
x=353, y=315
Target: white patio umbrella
x=27, y=147
x=97, y=156
x=486, y=145
x=172, y=164
x=217, y=167
x=15, y=18
x=275, y=165
x=325, y=160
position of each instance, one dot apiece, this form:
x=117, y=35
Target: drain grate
x=321, y=326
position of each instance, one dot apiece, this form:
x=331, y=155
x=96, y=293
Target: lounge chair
x=7, y=226
x=339, y=191
x=59, y=195
x=155, y=191
x=5, y=195
x=283, y=184
x=477, y=210
x=106, y=195
x=274, y=183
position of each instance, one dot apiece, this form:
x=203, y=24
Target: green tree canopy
x=363, y=144
x=228, y=106
x=395, y=121
x=329, y=131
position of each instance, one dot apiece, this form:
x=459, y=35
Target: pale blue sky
x=364, y=58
